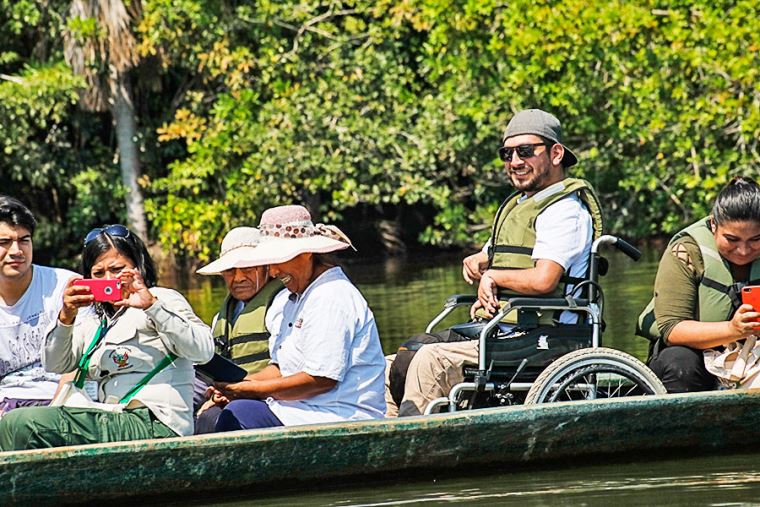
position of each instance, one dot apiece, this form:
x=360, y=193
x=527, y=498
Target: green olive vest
x=514, y=230
x=247, y=341
x=718, y=294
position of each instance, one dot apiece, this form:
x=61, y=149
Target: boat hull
x=255, y=460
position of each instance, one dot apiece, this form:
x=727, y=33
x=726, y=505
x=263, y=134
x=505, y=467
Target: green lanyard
x=166, y=361
x=84, y=361
x=84, y=365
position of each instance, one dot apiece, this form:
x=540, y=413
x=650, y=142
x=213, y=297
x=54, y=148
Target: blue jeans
x=246, y=415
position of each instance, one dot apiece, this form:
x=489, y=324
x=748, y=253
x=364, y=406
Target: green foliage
x=393, y=105
x=20, y=14
x=50, y=154
x=68, y=191
x=84, y=28
x=402, y=103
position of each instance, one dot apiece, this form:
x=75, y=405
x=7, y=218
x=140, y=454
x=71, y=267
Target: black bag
x=405, y=353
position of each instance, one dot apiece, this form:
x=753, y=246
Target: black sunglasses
x=523, y=151
x=116, y=230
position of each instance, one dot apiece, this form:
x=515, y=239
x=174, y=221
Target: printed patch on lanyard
x=120, y=357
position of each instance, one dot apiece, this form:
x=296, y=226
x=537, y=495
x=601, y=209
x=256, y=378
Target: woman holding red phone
x=136, y=353
x=702, y=333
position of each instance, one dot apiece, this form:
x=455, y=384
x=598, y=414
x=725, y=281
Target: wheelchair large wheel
x=595, y=373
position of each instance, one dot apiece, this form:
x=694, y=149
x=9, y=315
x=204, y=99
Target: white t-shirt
x=23, y=327
x=328, y=331
x=564, y=233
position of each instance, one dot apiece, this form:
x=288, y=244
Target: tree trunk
x=123, y=112
x=390, y=236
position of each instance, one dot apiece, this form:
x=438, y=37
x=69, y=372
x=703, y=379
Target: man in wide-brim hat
x=326, y=360
x=238, y=327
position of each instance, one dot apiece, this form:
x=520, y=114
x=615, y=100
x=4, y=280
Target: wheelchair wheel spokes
x=594, y=374
x=597, y=382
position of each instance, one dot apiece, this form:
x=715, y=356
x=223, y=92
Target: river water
x=706, y=481
x=406, y=293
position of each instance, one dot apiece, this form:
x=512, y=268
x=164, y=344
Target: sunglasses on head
x=116, y=230
x=523, y=151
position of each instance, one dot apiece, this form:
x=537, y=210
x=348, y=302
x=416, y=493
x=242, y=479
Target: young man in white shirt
x=542, y=238
x=30, y=299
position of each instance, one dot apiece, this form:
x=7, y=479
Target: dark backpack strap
x=713, y=284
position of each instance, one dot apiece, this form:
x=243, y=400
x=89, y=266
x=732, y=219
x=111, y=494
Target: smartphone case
x=103, y=289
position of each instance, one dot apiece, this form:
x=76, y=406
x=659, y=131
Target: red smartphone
x=751, y=296
x=103, y=289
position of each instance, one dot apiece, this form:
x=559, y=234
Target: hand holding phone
x=104, y=290
x=135, y=290
x=751, y=296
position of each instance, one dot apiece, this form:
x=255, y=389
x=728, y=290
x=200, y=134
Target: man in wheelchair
x=540, y=245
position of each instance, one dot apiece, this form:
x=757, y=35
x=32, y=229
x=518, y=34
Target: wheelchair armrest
x=460, y=299
x=449, y=305
x=521, y=302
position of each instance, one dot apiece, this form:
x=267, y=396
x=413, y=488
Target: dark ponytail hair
x=739, y=201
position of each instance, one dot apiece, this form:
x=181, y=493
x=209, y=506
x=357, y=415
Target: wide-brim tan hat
x=237, y=250
x=288, y=231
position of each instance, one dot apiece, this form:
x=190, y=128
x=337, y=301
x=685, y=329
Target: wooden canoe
x=265, y=460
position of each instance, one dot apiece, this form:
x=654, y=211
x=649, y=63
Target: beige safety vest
x=514, y=230
x=247, y=341
x=717, y=292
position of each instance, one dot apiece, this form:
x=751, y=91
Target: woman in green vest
x=697, y=303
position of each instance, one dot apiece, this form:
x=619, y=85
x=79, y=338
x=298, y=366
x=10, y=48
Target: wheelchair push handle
x=628, y=249
x=619, y=243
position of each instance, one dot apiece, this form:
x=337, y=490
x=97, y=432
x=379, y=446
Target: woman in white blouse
x=327, y=363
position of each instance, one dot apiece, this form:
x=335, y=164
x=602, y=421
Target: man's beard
x=530, y=185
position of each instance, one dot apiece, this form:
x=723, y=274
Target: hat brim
x=568, y=159
x=277, y=250
x=237, y=258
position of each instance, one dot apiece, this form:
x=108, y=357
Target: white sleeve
x=563, y=234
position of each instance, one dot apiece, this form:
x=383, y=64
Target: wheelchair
x=542, y=363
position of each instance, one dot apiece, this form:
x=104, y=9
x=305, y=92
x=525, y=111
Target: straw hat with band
x=288, y=231
x=237, y=247
x=539, y=123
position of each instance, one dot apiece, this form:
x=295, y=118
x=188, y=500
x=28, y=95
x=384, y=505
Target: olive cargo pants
x=42, y=427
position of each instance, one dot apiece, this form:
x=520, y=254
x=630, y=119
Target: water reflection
x=703, y=481
x=405, y=294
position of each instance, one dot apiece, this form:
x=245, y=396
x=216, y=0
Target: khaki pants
x=391, y=409
x=433, y=371
x=41, y=427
